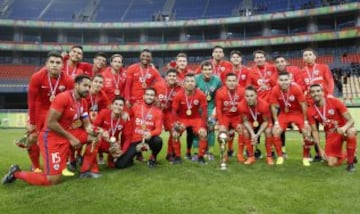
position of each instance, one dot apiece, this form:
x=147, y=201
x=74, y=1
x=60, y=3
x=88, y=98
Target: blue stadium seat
x=27, y=9
x=111, y=10
x=143, y=10
x=63, y=10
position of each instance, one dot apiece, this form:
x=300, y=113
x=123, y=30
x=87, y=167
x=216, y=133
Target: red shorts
x=196, y=124
x=168, y=122
x=55, y=151
x=80, y=134
x=285, y=119
x=333, y=145
x=230, y=122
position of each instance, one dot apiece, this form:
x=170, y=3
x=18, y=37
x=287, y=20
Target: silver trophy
x=222, y=140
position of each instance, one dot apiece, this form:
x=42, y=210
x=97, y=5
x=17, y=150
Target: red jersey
x=115, y=126
x=97, y=102
x=88, y=69
x=145, y=118
x=41, y=87
x=166, y=94
x=288, y=101
x=138, y=79
x=181, y=75
x=227, y=102
x=317, y=73
x=258, y=113
x=330, y=114
x=241, y=74
x=72, y=71
x=219, y=69
x=71, y=110
x=266, y=75
x=195, y=102
x=114, y=84
x=295, y=74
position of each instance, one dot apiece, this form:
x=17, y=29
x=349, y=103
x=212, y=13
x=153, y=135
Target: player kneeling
x=338, y=124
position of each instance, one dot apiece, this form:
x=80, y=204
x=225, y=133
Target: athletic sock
x=33, y=178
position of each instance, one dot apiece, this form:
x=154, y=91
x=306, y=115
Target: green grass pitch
x=188, y=188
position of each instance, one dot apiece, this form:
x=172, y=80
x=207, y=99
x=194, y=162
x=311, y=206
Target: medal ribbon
x=323, y=115
x=142, y=74
x=116, y=81
x=253, y=114
x=311, y=76
x=143, y=116
x=286, y=101
x=112, y=127
x=188, y=104
x=53, y=89
x=231, y=98
x=77, y=105
x=168, y=95
x=73, y=73
x=93, y=100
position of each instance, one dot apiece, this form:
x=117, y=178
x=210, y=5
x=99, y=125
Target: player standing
x=71, y=66
x=189, y=109
x=227, y=112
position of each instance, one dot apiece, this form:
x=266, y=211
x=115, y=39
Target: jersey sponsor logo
x=268, y=73
x=196, y=102
x=226, y=103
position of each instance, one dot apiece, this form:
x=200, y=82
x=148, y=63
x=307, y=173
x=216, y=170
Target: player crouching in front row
x=338, y=125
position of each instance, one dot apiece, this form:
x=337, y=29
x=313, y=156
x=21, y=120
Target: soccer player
x=189, y=109
x=338, y=124
x=238, y=68
x=255, y=114
x=98, y=66
x=262, y=76
x=220, y=65
x=166, y=90
x=227, y=99
x=65, y=125
x=71, y=66
x=315, y=73
x=209, y=84
x=97, y=98
x=146, y=120
x=283, y=65
x=115, y=127
x=290, y=100
x=43, y=87
x=181, y=67
x=115, y=77
x=139, y=77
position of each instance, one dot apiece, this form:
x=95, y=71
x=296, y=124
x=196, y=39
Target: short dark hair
x=205, y=63
x=279, y=56
x=151, y=89
x=98, y=75
x=171, y=70
x=284, y=73
x=251, y=88
x=80, y=78
x=100, y=54
x=55, y=54
x=181, y=54
x=189, y=75
x=145, y=50
x=217, y=46
x=230, y=75
x=311, y=50
x=118, y=98
x=77, y=46
x=259, y=52
x=316, y=85
x=235, y=52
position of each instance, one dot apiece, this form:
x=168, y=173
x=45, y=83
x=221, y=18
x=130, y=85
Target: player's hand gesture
x=75, y=142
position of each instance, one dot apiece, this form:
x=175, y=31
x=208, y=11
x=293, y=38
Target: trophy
x=222, y=141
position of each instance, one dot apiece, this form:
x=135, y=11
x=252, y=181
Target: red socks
x=34, y=155
x=34, y=178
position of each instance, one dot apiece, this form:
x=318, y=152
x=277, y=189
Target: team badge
x=316, y=72
x=222, y=68
x=56, y=166
x=243, y=76
x=306, y=80
x=62, y=87
x=196, y=102
x=331, y=111
x=291, y=98
x=149, y=116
